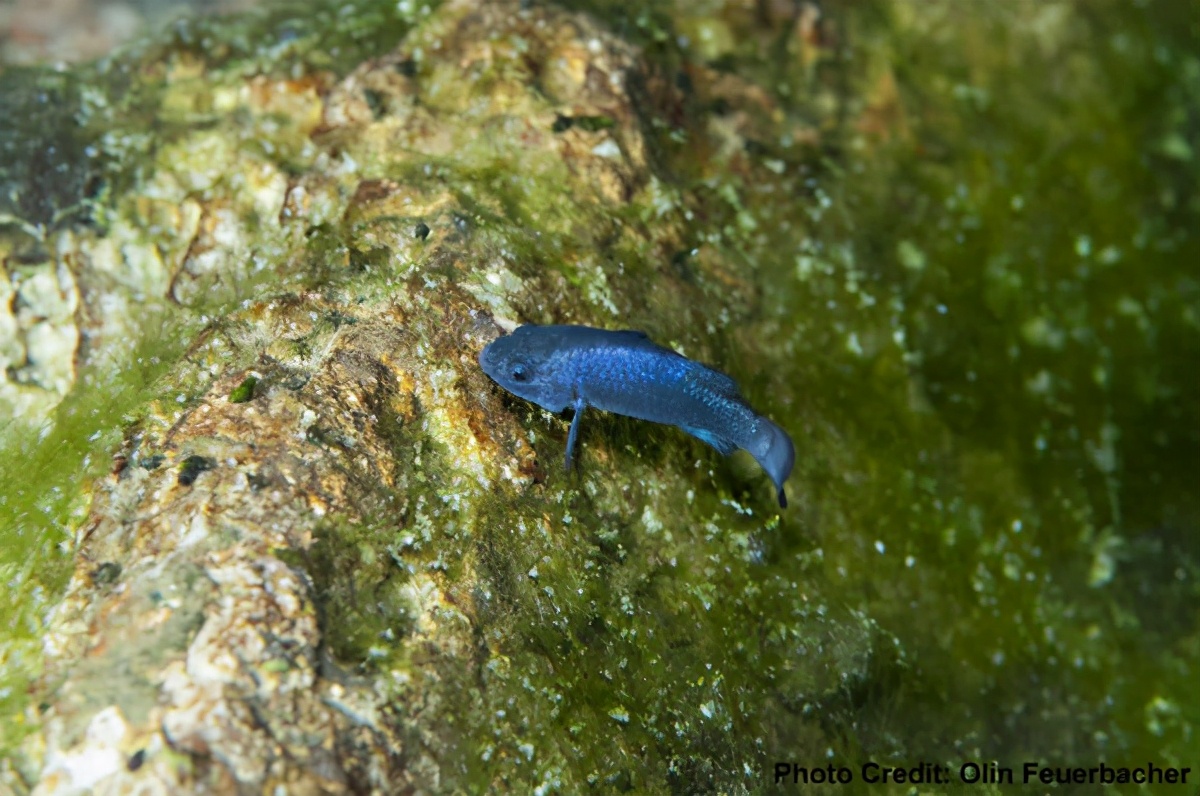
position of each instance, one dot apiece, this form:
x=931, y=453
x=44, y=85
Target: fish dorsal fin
x=725, y=383
x=635, y=338
x=716, y=381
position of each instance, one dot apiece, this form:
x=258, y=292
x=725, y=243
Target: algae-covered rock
x=312, y=548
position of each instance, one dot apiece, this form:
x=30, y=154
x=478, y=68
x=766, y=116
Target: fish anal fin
x=724, y=446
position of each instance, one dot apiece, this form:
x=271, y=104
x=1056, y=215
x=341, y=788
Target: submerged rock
x=318, y=584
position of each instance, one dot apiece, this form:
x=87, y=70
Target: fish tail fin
x=773, y=450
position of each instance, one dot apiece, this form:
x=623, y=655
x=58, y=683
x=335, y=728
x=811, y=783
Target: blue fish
x=625, y=372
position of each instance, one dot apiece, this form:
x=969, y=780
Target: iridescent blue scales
x=625, y=372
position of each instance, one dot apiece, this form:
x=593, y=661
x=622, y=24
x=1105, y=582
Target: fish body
x=625, y=372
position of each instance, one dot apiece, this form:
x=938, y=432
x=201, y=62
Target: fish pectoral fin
x=573, y=434
x=724, y=446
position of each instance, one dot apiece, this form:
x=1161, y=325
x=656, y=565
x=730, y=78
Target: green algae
x=243, y=392
x=979, y=334
x=1018, y=255
x=41, y=506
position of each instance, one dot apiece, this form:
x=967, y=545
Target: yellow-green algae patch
x=962, y=286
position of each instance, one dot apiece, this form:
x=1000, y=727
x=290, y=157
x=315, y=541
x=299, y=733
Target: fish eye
x=520, y=373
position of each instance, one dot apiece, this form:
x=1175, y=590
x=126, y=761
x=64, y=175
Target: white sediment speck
x=607, y=148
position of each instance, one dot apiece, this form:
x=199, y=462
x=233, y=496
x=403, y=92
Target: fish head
x=524, y=364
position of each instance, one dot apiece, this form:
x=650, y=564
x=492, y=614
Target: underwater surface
x=248, y=266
